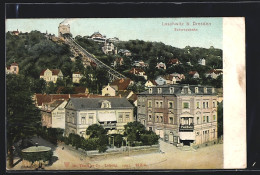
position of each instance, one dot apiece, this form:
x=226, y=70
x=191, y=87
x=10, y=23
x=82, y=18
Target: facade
x=51, y=75
x=202, y=62
x=150, y=83
x=108, y=91
x=109, y=48
x=53, y=114
x=76, y=76
x=180, y=114
x=138, y=72
x=161, y=65
x=98, y=37
x=194, y=74
x=63, y=29
x=12, y=69
x=214, y=73
x=111, y=113
x=160, y=80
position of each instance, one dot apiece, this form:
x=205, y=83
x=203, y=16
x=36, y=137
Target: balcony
x=188, y=128
x=109, y=125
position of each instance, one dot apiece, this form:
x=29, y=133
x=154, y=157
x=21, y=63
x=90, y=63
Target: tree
x=133, y=131
x=23, y=117
x=95, y=130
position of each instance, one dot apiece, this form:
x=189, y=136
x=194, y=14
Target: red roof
x=133, y=98
x=215, y=71
x=76, y=73
x=136, y=71
x=192, y=72
x=173, y=61
x=122, y=84
x=54, y=71
x=153, y=82
x=46, y=98
x=14, y=64
x=168, y=77
x=80, y=90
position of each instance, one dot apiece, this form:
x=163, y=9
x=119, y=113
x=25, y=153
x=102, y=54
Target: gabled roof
x=53, y=105
x=54, y=71
x=46, y=98
x=122, y=84
x=168, y=77
x=193, y=72
x=153, y=82
x=136, y=70
x=80, y=90
x=173, y=61
x=14, y=64
x=124, y=93
x=215, y=71
x=133, y=98
x=95, y=103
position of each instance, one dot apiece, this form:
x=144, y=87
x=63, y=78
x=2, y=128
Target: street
x=170, y=157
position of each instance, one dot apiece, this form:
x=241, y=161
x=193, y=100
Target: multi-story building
x=181, y=114
x=110, y=112
x=53, y=114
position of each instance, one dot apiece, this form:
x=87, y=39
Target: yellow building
x=51, y=75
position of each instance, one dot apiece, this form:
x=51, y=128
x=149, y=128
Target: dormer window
x=171, y=90
x=196, y=90
x=205, y=90
x=186, y=90
x=106, y=104
x=150, y=90
x=159, y=90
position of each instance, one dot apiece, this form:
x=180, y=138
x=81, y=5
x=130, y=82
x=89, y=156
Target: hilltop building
x=180, y=114
x=63, y=29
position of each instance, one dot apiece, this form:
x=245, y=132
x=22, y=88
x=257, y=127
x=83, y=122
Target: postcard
x=125, y=93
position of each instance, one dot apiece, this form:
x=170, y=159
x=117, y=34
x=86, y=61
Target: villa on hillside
x=12, y=69
x=51, y=75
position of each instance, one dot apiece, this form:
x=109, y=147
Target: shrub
x=36, y=156
x=118, y=140
x=90, y=144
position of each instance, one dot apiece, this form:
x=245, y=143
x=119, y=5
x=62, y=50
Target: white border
x=234, y=89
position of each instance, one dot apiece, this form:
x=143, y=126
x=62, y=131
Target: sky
x=166, y=30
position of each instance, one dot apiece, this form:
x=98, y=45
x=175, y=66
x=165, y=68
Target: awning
x=106, y=116
x=187, y=135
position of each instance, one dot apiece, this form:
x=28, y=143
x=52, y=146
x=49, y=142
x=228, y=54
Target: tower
x=62, y=29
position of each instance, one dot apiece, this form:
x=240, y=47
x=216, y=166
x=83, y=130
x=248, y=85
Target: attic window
x=213, y=90
x=159, y=90
x=205, y=90
x=105, y=104
x=171, y=90
x=150, y=90
x=196, y=90
x=186, y=90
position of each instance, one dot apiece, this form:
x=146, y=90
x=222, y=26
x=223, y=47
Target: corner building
x=180, y=114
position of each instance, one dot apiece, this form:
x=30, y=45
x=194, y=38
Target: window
x=205, y=90
x=83, y=120
x=161, y=104
x=120, y=117
x=127, y=117
x=213, y=133
x=171, y=120
x=207, y=104
x=186, y=105
x=170, y=105
x=214, y=104
x=157, y=104
x=157, y=118
x=214, y=117
x=171, y=90
x=150, y=117
x=90, y=119
x=159, y=90
x=198, y=120
x=196, y=90
x=161, y=119
x=204, y=119
x=203, y=105
x=207, y=119
x=150, y=90
x=186, y=90
x=213, y=90
x=149, y=104
x=198, y=105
